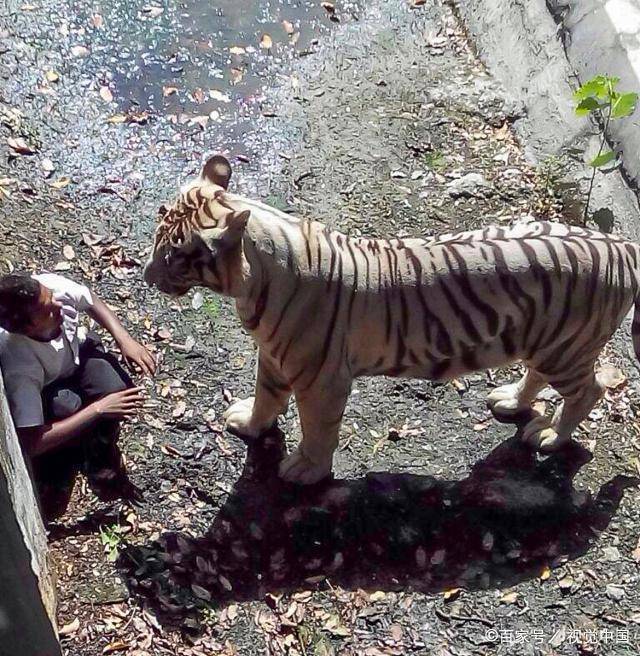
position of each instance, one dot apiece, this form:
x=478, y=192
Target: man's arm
x=37, y=440
x=131, y=350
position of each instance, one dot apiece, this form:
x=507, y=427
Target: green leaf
x=602, y=159
x=587, y=105
x=597, y=86
x=624, y=105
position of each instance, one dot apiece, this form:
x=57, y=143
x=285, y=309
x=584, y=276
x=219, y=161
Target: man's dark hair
x=19, y=294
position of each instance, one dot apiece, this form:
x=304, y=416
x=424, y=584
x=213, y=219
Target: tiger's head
x=198, y=240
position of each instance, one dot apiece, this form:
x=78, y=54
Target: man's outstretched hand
x=120, y=405
x=137, y=356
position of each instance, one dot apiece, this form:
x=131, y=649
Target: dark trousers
x=95, y=450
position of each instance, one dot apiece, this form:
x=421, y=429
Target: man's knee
x=99, y=378
x=65, y=403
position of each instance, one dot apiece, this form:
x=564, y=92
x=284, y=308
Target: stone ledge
x=27, y=592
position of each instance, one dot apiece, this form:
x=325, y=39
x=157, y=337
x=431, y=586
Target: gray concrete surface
x=603, y=36
x=27, y=594
x=522, y=46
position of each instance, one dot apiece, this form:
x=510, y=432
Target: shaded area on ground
x=510, y=518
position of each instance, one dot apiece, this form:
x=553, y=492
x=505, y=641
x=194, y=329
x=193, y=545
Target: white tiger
x=325, y=308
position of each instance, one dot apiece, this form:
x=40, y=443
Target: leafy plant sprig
x=599, y=97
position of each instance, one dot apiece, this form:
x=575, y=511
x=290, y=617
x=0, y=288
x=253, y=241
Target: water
x=198, y=57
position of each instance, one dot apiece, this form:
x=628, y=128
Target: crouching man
x=66, y=393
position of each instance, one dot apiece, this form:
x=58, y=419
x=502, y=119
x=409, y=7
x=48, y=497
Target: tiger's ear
x=237, y=221
x=217, y=169
x=231, y=235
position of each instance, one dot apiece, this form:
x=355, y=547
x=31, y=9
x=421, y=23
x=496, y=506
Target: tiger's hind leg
x=510, y=400
x=580, y=393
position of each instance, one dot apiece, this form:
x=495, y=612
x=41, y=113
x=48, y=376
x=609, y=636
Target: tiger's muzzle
x=154, y=278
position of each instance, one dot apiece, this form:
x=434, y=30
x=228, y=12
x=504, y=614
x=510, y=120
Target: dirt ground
x=440, y=533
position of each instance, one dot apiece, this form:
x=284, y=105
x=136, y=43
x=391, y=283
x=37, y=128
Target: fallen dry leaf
x=52, y=76
x=219, y=96
x=162, y=333
x=61, y=183
x=168, y=450
x=48, y=166
x=152, y=11
x=198, y=95
x=113, y=647
x=70, y=629
x=266, y=42
x=236, y=75
x=79, y=51
x=611, y=377
x=396, y=632
x=20, y=146
x=117, y=118
x=62, y=266
x=288, y=27
x=91, y=239
x=201, y=593
x=335, y=626
x=509, y=598
x=451, y=595
x=179, y=410
x=96, y=21
x=169, y=91
x=200, y=120
x=106, y=95
x=237, y=50
x=266, y=620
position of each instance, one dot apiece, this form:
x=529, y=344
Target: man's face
x=45, y=318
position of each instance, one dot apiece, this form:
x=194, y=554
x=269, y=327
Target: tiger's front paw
x=298, y=468
x=239, y=419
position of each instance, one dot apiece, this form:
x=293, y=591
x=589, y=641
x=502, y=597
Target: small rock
x=197, y=301
x=615, y=592
x=472, y=185
x=566, y=583
x=548, y=394
x=611, y=554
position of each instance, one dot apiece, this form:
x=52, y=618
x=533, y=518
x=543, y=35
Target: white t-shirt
x=28, y=365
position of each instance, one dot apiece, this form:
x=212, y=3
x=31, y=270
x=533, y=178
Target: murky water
x=200, y=57
x=142, y=89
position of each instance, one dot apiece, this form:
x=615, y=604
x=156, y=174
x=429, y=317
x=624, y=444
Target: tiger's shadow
x=513, y=514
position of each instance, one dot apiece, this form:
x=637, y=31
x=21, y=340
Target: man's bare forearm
x=37, y=440
x=108, y=320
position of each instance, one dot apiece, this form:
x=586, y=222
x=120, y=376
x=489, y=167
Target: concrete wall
x=523, y=47
x=27, y=593
x=603, y=36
